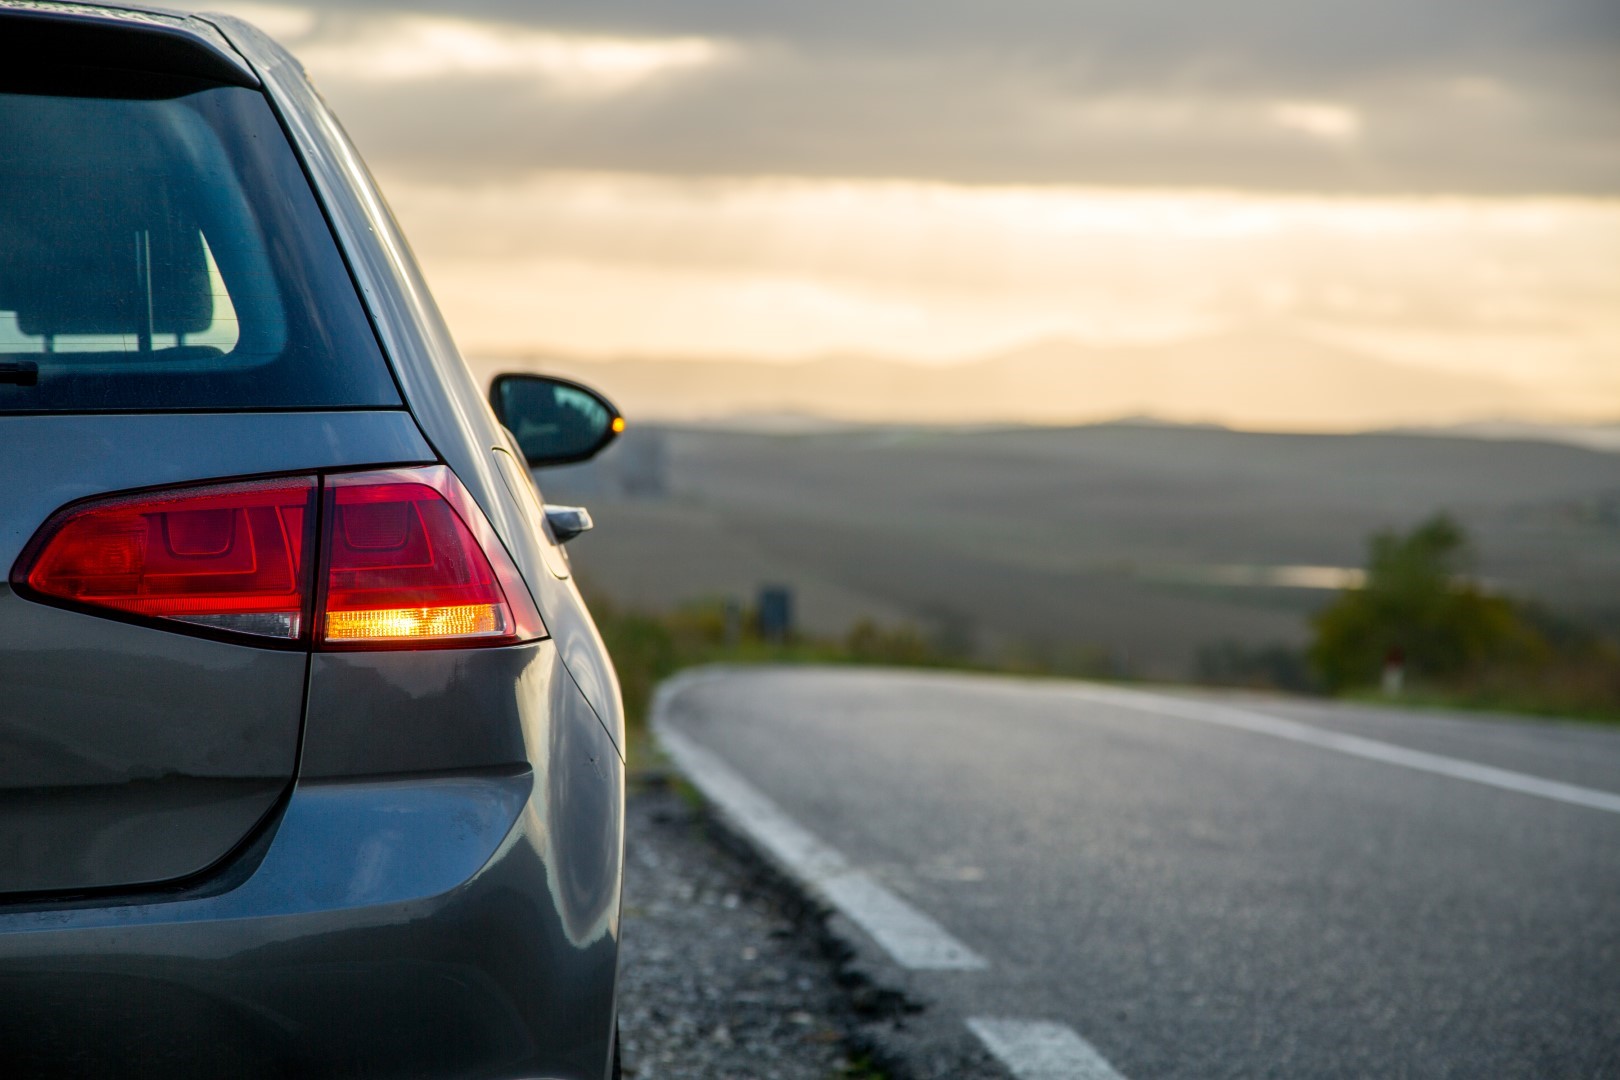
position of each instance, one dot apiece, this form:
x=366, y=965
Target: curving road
x=1085, y=881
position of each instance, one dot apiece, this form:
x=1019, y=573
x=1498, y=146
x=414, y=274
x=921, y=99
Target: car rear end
x=295, y=778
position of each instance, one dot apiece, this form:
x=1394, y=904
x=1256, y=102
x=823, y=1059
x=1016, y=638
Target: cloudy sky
x=1432, y=182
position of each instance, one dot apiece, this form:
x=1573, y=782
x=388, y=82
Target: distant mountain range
x=1261, y=380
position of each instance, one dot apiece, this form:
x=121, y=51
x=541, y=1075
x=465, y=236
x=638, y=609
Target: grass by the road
x=1552, y=702
x=648, y=648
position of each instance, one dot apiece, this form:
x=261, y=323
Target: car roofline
x=142, y=37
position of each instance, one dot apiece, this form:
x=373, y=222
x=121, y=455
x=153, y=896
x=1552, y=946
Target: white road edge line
x=1354, y=745
x=1041, y=1050
x=912, y=938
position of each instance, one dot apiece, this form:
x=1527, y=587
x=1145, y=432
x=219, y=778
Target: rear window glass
x=160, y=248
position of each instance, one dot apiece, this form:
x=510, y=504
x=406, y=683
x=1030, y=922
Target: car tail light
x=230, y=556
x=407, y=560
x=410, y=560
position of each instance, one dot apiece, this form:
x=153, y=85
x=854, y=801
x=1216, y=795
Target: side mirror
x=556, y=421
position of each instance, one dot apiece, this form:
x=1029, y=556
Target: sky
x=1432, y=183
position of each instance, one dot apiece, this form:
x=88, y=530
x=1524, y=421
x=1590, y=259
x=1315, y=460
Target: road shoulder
x=891, y=1019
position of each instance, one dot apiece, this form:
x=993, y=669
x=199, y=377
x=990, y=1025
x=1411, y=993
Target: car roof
x=120, y=35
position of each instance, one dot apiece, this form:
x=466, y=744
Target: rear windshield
x=160, y=249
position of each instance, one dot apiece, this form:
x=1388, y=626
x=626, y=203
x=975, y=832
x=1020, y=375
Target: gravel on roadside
x=719, y=980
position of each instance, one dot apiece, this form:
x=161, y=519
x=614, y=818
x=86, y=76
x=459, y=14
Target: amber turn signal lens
x=391, y=624
x=410, y=561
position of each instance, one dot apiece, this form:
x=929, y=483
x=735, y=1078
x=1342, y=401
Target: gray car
x=311, y=758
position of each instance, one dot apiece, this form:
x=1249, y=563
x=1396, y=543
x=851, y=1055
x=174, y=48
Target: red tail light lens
x=408, y=561
x=228, y=556
x=411, y=561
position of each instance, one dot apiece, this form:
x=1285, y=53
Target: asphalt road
x=1181, y=886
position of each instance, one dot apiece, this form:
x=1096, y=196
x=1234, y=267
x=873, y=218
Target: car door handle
x=568, y=522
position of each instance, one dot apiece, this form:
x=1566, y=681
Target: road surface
x=1096, y=882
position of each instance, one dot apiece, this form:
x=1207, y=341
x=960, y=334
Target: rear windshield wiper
x=21, y=372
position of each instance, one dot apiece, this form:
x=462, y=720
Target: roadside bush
x=1418, y=605
x=1459, y=644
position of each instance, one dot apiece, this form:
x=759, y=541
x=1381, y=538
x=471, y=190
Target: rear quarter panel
x=443, y=395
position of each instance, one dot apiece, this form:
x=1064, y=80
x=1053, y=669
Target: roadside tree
x=1421, y=606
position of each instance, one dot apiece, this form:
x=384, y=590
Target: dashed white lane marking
x=1354, y=745
x=911, y=937
x=1040, y=1050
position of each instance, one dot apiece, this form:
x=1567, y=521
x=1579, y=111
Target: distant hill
x=1257, y=380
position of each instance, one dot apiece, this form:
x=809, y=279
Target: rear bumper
x=421, y=927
